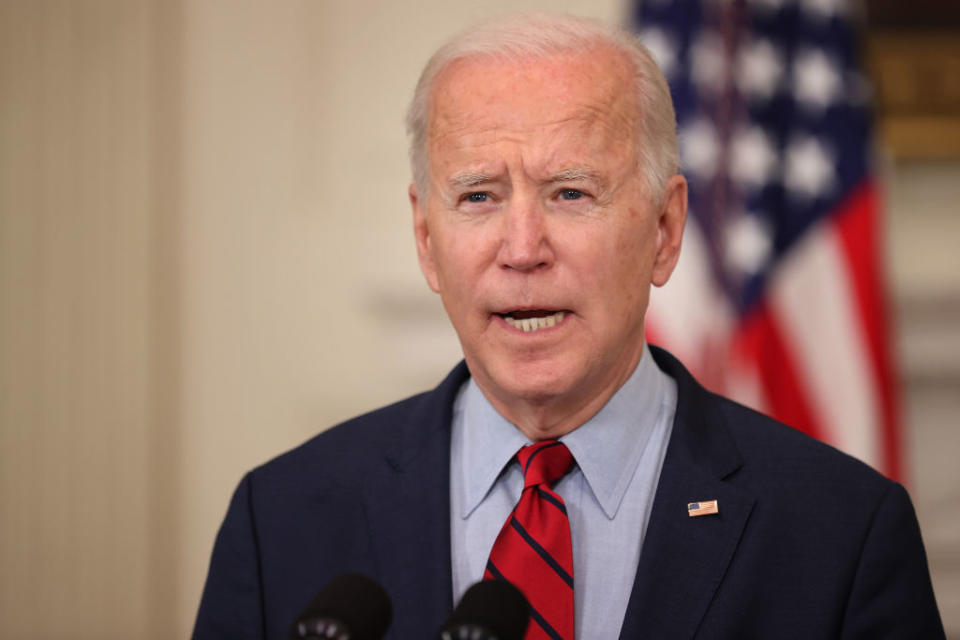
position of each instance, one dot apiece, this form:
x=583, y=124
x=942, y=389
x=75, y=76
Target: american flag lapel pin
x=702, y=508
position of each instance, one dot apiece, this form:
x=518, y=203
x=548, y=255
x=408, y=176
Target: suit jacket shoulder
x=803, y=544
x=370, y=495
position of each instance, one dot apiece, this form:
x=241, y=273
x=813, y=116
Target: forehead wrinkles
x=548, y=140
x=482, y=102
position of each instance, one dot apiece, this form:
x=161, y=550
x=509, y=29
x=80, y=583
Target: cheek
x=637, y=231
x=458, y=258
x=616, y=254
x=625, y=270
x=636, y=246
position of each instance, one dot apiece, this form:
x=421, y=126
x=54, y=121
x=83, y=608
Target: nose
x=525, y=245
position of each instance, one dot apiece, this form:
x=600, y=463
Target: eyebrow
x=575, y=174
x=474, y=178
x=468, y=179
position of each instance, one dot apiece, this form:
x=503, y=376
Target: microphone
x=351, y=607
x=489, y=610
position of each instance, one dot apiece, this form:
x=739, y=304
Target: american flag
x=778, y=300
x=707, y=508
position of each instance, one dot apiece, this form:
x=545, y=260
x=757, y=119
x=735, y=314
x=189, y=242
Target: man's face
x=538, y=230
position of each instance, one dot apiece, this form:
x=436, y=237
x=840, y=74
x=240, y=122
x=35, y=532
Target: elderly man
x=565, y=455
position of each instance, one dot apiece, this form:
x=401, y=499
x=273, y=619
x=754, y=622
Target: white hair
x=539, y=35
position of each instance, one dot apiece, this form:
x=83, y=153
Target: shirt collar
x=607, y=447
x=489, y=443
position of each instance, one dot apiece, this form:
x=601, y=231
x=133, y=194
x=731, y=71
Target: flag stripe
x=690, y=314
x=759, y=339
x=827, y=338
x=859, y=232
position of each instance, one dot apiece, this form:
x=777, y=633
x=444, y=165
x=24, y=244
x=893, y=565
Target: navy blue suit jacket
x=808, y=543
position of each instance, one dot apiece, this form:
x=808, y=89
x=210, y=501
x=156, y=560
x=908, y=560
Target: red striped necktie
x=533, y=550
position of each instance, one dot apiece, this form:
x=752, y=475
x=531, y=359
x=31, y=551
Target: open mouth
x=529, y=320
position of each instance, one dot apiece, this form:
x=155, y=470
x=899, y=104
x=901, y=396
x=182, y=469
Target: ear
x=421, y=231
x=673, y=216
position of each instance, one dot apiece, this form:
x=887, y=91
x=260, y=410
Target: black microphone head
x=489, y=609
x=352, y=605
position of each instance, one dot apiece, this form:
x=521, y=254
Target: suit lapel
x=408, y=507
x=684, y=558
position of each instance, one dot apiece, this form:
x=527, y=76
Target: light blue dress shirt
x=609, y=493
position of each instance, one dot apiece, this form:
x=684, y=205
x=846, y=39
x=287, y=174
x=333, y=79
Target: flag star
x=816, y=80
x=809, y=168
x=759, y=69
x=700, y=148
x=753, y=158
x=710, y=64
x=824, y=8
x=748, y=244
x=662, y=47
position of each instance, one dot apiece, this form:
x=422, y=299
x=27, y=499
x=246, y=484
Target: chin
x=533, y=382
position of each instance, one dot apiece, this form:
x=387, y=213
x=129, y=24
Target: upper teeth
x=533, y=324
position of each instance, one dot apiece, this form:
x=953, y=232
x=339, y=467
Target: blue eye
x=571, y=194
x=478, y=196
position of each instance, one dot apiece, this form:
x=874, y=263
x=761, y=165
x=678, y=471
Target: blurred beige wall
x=923, y=231
x=87, y=510
x=206, y=257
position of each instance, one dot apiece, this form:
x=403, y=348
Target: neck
x=553, y=417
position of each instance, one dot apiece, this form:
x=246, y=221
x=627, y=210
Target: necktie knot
x=544, y=462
